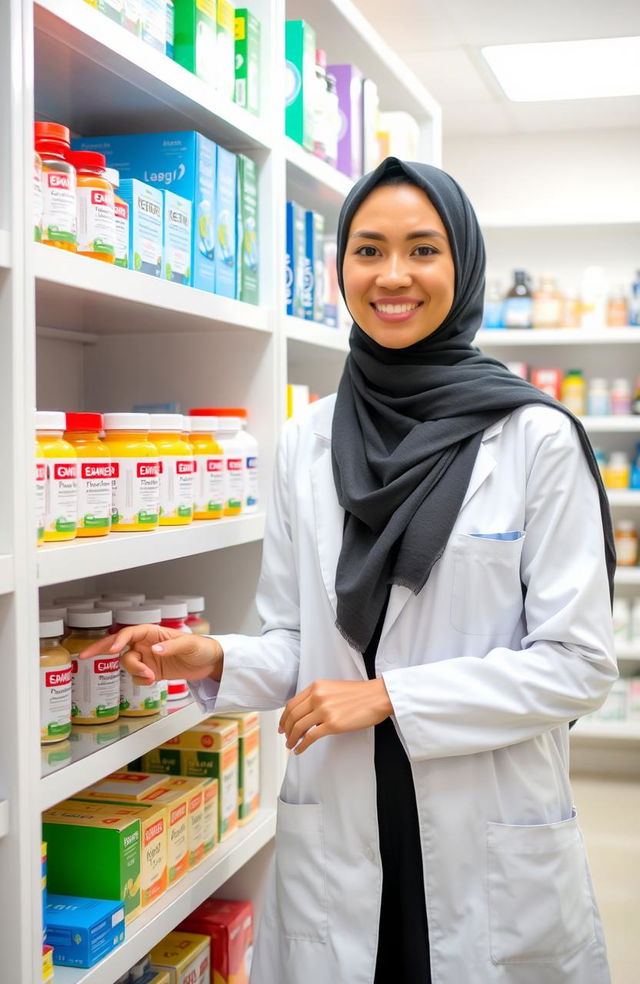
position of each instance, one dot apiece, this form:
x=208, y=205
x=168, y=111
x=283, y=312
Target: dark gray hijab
x=408, y=423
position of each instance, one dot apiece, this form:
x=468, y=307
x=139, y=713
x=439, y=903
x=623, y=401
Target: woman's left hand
x=331, y=707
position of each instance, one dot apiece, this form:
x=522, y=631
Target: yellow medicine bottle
x=176, y=468
x=55, y=683
x=61, y=487
x=95, y=683
x=41, y=494
x=135, y=472
x=209, y=465
x=96, y=206
x=94, y=473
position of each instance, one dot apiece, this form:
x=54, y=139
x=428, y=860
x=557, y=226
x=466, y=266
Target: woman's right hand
x=152, y=652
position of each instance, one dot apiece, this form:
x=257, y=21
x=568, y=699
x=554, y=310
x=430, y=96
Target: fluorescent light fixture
x=600, y=68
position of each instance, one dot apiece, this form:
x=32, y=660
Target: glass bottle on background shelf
x=572, y=309
x=492, y=314
x=574, y=392
x=634, y=306
x=547, y=304
x=549, y=381
x=593, y=293
x=517, y=311
x=598, y=399
x=626, y=538
x=617, y=308
x=621, y=397
x=618, y=473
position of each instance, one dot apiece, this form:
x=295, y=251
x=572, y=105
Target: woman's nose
x=394, y=274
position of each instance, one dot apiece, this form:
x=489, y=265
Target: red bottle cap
x=84, y=421
x=87, y=160
x=218, y=412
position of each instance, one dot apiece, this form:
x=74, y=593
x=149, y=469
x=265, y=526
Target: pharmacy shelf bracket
x=4, y=818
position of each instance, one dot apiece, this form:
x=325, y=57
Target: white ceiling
x=440, y=41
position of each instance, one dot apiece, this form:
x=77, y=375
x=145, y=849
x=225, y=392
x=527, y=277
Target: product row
x=601, y=398
x=211, y=39
x=131, y=837
x=623, y=702
x=310, y=268
x=333, y=111
x=171, y=205
x=592, y=305
x=133, y=472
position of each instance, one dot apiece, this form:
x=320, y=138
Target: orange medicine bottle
x=96, y=206
x=59, y=222
x=94, y=473
x=209, y=463
x=135, y=471
x=175, y=455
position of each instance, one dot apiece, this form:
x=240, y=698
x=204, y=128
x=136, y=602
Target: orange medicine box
x=229, y=924
x=122, y=787
x=202, y=811
x=248, y=762
x=186, y=957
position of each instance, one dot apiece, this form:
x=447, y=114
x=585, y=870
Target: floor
x=609, y=812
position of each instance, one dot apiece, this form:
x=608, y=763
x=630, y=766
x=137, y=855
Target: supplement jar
x=37, y=197
x=209, y=468
x=121, y=216
x=196, y=618
x=59, y=223
x=137, y=701
x=41, y=494
x=96, y=681
x=96, y=215
x=134, y=473
x=626, y=539
x=61, y=488
x=228, y=437
x=55, y=683
x=94, y=473
x=177, y=464
x=174, y=616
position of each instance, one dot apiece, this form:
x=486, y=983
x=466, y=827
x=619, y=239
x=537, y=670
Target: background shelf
x=607, y=730
x=517, y=337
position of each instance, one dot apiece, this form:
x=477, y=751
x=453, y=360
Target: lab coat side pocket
x=486, y=594
x=540, y=905
x=301, y=885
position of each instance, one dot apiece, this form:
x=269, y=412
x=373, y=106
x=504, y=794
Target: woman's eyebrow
x=378, y=237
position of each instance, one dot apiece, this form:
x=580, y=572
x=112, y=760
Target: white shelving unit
x=521, y=337
x=78, y=334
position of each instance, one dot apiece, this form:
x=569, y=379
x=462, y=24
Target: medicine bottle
x=251, y=458
x=37, y=196
x=598, y=399
x=115, y=607
x=174, y=616
x=618, y=472
x=121, y=216
x=55, y=683
x=137, y=701
x=94, y=473
x=134, y=597
x=95, y=682
x=135, y=472
x=176, y=468
x=573, y=392
x=621, y=397
x=547, y=304
x=617, y=315
x=626, y=539
x=96, y=217
x=227, y=434
x=517, y=310
x=196, y=618
x=209, y=468
x=41, y=494
x=59, y=223
x=61, y=489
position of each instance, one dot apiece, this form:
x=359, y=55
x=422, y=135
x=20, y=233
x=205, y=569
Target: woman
x=435, y=597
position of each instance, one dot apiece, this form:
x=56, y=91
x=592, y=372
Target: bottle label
x=135, y=489
x=517, y=312
x=209, y=485
x=41, y=496
x=55, y=701
x=121, y=213
x=62, y=495
x=135, y=698
x=252, y=481
x=94, y=494
x=95, y=688
x=59, y=208
x=96, y=221
x=37, y=202
x=234, y=482
x=176, y=487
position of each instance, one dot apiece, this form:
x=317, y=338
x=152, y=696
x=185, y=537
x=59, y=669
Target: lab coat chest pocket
x=486, y=593
x=301, y=888
x=540, y=906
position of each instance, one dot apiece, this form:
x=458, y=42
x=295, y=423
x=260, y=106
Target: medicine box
x=153, y=23
x=247, y=46
x=122, y=787
x=201, y=799
x=248, y=763
x=83, y=930
x=132, y=13
x=145, y=225
x=195, y=37
x=178, y=239
x=94, y=852
x=47, y=960
x=152, y=976
x=229, y=924
x=185, y=163
x=300, y=81
x=313, y=280
x=226, y=199
x=295, y=257
x=247, y=265
x=349, y=86
x=226, y=54
x=186, y=957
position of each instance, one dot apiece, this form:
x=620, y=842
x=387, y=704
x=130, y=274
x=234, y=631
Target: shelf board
x=77, y=292
x=314, y=183
x=5, y=249
x=628, y=651
x=60, y=562
x=609, y=730
x=96, y=751
x=176, y=904
x=530, y=220
x=309, y=333
x=612, y=424
x=623, y=497
x=99, y=78
x=627, y=575
x=6, y=573
x=508, y=337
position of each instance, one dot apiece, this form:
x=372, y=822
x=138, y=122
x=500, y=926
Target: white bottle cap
x=625, y=526
x=135, y=597
x=78, y=618
x=203, y=425
x=169, y=609
x=619, y=459
x=228, y=425
x=53, y=612
x=113, y=176
x=126, y=421
x=186, y=424
x=144, y=615
x=77, y=601
x=621, y=384
x=52, y=420
x=598, y=383
x=114, y=605
x=165, y=422
x=51, y=627
x=194, y=603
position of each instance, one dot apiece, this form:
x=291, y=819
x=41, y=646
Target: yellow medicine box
x=122, y=787
x=186, y=957
x=202, y=811
x=248, y=762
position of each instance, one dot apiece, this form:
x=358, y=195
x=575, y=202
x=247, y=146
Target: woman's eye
x=425, y=250
x=366, y=251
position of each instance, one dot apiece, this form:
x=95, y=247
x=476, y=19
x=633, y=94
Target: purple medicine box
x=349, y=86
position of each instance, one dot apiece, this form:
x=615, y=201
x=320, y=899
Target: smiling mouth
x=397, y=308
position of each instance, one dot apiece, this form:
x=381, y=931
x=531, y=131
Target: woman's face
x=399, y=276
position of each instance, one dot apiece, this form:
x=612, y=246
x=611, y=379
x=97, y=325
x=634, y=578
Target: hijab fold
x=408, y=423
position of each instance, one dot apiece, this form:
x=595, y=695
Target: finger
x=291, y=706
x=101, y=647
x=134, y=664
x=312, y=735
x=301, y=726
x=293, y=714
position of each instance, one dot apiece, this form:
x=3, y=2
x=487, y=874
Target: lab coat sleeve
x=565, y=667
x=261, y=672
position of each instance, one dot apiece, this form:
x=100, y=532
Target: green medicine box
x=247, y=288
x=300, y=52
x=247, y=30
x=195, y=38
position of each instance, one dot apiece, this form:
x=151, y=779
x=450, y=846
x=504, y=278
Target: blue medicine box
x=226, y=222
x=145, y=225
x=83, y=931
x=182, y=161
x=295, y=259
x=177, y=261
x=313, y=279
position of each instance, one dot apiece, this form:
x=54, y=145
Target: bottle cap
x=84, y=422
x=574, y=372
x=169, y=609
x=113, y=176
x=218, y=412
x=618, y=459
x=77, y=601
x=203, y=425
x=53, y=420
x=194, y=603
x=598, y=383
x=87, y=160
x=114, y=605
x=78, y=618
x=53, y=612
x=621, y=384
x=136, y=598
x=186, y=424
x=126, y=421
x=626, y=526
x=50, y=627
x=51, y=133
x=144, y=615
x=165, y=422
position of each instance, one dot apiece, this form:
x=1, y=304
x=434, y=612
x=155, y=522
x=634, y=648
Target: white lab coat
x=483, y=685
